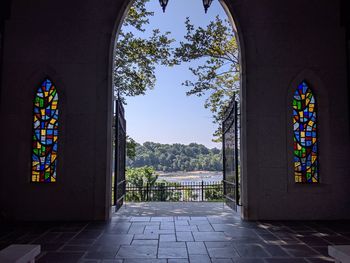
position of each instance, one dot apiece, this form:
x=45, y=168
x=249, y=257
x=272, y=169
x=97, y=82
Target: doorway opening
x=229, y=132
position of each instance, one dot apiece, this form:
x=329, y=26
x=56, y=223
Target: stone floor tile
x=100, y=255
x=218, y=244
x=50, y=247
x=177, y=260
x=146, y=223
x=140, y=219
x=78, y=248
x=199, y=259
x=89, y=234
x=224, y=252
x=167, y=226
x=131, y=260
x=136, y=229
x=172, y=244
x=152, y=227
x=256, y=251
x=300, y=250
x=159, y=231
x=181, y=223
x=248, y=240
x=221, y=260
x=117, y=239
x=284, y=260
x=80, y=241
x=167, y=238
x=172, y=252
x=323, y=250
x=119, y=228
x=314, y=241
x=104, y=248
x=162, y=218
x=258, y=242
x=205, y=228
x=337, y=240
x=184, y=228
x=184, y=236
x=199, y=218
x=248, y=260
x=146, y=236
x=196, y=248
x=320, y=260
x=275, y=251
x=59, y=257
x=222, y=227
x=210, y=236
x=145, y=242
x=181, y=218
x=198, y=223
x=137, y=251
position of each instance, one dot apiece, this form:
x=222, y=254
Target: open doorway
x=225, y=86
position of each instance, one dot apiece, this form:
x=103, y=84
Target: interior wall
x=71, y=42
x=5, y=11
x=285, y=41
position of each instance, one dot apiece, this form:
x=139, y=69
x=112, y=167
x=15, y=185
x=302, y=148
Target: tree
x=130, y=147
x=139, y=178
x=216, y=49
x=137, y=51
x=176, y=157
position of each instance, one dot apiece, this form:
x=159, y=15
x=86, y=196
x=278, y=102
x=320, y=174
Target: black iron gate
x=119, y=156
x=230, y=156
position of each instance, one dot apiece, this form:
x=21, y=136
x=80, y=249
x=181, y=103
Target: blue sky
x=166, y=114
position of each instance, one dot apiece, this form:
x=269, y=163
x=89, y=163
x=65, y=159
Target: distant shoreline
x=192, y=176
x=165, y=174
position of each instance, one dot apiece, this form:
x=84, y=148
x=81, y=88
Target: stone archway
x=278, y=40
x=228, y=8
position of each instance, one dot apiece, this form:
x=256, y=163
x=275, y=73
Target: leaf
x=215, y=48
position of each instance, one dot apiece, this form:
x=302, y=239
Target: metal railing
x=176, y=192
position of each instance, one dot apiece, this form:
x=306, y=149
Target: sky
x=166, y=114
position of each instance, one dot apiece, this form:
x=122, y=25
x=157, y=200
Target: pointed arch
x=45, y=133
x=305, y=135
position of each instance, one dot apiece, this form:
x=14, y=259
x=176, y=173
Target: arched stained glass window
x=45, y=133
x=305, y=135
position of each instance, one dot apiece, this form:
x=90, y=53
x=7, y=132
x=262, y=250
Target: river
x=195, y=176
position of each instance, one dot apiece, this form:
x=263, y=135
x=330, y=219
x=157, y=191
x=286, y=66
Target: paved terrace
x=185, y=232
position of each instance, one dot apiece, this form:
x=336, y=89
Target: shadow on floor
x=176, y=209
x=179, y=233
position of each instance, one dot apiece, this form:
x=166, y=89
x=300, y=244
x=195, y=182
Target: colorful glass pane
x=305, y=135
x=45, y=134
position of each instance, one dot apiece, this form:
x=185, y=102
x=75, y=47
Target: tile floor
x=201, y=237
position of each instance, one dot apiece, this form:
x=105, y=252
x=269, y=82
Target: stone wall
x=283, y=42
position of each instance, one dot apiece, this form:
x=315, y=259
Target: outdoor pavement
x=177, y=233
x=176, y=209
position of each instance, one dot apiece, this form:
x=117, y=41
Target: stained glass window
x=305, y=135
x=45, y=133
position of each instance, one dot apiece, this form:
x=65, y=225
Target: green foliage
x=140, y=178
x=136, y=55
x=214, y=194
x=130, y=148
x=216, y=49
x=176, y=157
x=161, y=192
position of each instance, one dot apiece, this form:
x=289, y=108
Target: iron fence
x=175, y=192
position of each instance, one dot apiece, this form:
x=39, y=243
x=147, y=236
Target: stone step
x=341, y=254
x=19, y=253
